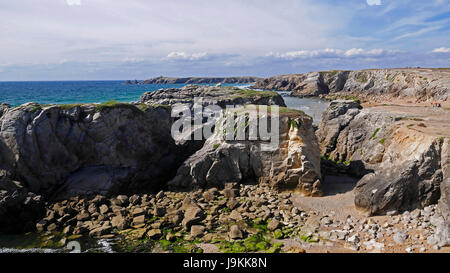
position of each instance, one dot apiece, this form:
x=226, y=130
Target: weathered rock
x=401, y=168
x=421, y=84
x=221, y=96
x=292, y=163
x=119, y=222
x=154, y=233
x=400, y=237
x=87, y=149
x=19, y=209
x=197, y=231
x=235, y=232
x=97, y=232
x=200, y=80
x=273, y=224
x=192, y=215
x=138, y=221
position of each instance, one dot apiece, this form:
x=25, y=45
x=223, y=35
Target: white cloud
x=441, y=50
x=330, y=53
x=373, y=2
x=73, y=2
x=176, y=55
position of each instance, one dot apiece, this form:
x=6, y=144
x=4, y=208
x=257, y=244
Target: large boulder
x=292, y=163
x=401, y=167
x=87, y=149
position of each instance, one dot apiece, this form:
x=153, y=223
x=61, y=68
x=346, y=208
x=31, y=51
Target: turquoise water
x=65, y=92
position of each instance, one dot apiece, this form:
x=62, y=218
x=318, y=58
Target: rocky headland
x=200, y=80
x=418, y=84
x=372, y=177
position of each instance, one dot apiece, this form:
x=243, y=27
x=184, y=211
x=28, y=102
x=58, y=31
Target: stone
x=138, y=221
x=193, y=215
x=52, y=227
x=154, y=234
x=104, y=209
x=273, y=224
x=235, y=215
x=120, y=222
x=197, y=231
x=138, y=212
x=41, y=226
x=97, y=232
x=83, y=216
x=400, y=237
x=235, y=232
x=159, y=211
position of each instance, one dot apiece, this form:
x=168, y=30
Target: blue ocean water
x=65, y=92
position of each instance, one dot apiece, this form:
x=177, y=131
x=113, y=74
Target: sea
x=68, y=92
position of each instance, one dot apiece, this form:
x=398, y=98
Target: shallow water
x=313, y=107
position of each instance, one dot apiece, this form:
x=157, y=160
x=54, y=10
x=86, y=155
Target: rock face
x=293, y=164
x=70, y=150
x=420, y=84
x=19, y=209
x=406, y=164
x=200, y=80
x=221, y=96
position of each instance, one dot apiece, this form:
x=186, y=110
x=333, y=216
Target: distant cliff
x=410, y=83
x=200, y=80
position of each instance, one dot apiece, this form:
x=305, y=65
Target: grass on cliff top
x=114, y=104
x=248, y=93
x=284, y=111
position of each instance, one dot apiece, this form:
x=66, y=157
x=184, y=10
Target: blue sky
x=138, y=39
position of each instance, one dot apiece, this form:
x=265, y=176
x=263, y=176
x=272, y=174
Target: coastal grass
x=248, y=93
x=374, y=135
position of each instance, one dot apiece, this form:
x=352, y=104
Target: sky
x=139, y=39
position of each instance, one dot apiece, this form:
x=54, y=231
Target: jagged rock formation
x=19, y=208
x=376, y=84
x=59, y=151
x=407, y=164
x=221, y=96
x=294, y=163
x=83, y=149
x=200, y=80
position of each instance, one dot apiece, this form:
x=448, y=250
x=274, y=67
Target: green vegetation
x=309, y=238
x=69, y=106
x=216, y=146
x=362, y=78
x=374, y=135
x=248, y=93
x=382, y=140
x=114, y=104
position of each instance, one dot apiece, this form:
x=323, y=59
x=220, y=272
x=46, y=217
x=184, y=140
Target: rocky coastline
x=113, y=171
x=197, y=80
x=417, y=84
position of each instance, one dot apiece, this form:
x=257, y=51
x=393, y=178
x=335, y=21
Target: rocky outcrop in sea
x=200, y=80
